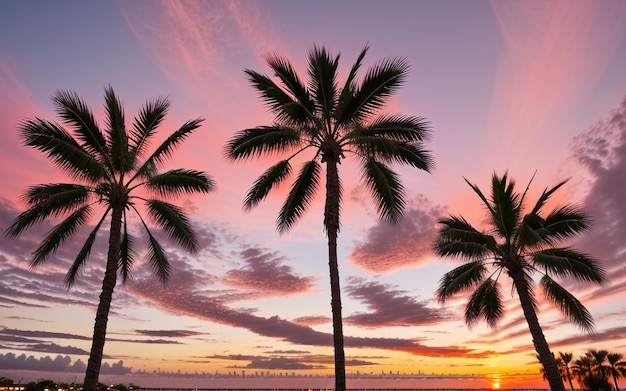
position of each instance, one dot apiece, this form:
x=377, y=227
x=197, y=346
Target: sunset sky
x=533, y=86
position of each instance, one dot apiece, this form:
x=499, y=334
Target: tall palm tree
x=618, y=367
x=110, y=169
x=566, y=359
x=519, y=245
x=320, y=123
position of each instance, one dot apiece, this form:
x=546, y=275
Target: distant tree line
x=595, y=370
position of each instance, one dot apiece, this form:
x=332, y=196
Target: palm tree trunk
x=569, y=377
x=539, y=340
x=102, y=314
x=331, y=223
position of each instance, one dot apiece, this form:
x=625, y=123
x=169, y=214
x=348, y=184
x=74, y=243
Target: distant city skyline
x=534, y=88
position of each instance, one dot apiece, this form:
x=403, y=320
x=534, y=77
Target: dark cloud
x=390, y=307
x=54, y=348
x=265, y=272
x=600, y=339
x=42, y=334
x=313, y=320
x=184, y=299
x=169, y=333
x=298, y=360
x=281, y=363
x=388, y=247
x=601, y=151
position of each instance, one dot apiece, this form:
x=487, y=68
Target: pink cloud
x=388, y=247
x=265, y=272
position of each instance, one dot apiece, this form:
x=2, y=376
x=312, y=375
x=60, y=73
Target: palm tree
x=618, y=367
x=566, y=359
x=329, y=122
x=108, y=171
x=582, y=368
x=598, y=358
x=519, y=245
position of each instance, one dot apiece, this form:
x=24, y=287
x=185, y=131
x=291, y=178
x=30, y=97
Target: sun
x=496, y=385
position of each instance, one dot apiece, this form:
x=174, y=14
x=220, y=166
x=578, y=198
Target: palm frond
x=300, y=196
x=64, y=230
x=118, y=156
x=545, y=196
x=173, y=221
x=349, y=88
x=295, y=104
x=150, y=117
x=532, y=232
x=414, y=155
x=166, y=148
x=62, y=196
x=567, y=303
x=459, y=238
x=156, y=257
x=60, y=147
x=567, y=262
x=180, y=181
x=262, y=140
x=485, y=303
x=459, y=279
x=379, y=83
x=401, y=128
x=564, y=222
x=323, y=80
x=83, y=254
x=262, y=186
x=50, y=200
x=74, y=112
x=386, y=190
x=481, y=196
x=127, y=253
x=506, y=209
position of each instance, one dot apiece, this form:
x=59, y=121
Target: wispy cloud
x=551, y=62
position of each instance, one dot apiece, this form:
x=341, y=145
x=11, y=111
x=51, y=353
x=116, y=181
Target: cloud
x=58, y=364
x=199, y=38
x=169, y=333
x=390, y=307
x=43, y=334
x=266, y=273
x=551, y=62
x=313, y=320
x=601, y=153
x=183, y=299
x=389, y=247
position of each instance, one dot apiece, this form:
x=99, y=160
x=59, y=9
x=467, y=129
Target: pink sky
x=527, y=87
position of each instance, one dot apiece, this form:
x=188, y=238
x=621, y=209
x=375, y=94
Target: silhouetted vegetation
x=321, y=123
x=520, y=244
x=109, y=172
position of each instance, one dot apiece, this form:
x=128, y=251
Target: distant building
x=12, y=387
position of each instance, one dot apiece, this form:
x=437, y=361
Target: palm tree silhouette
x=519, y=245
x=328, y=123
x=108, y=171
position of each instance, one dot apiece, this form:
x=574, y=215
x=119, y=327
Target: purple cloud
x=390, y=307
x=264, y=272
x=388, y=247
